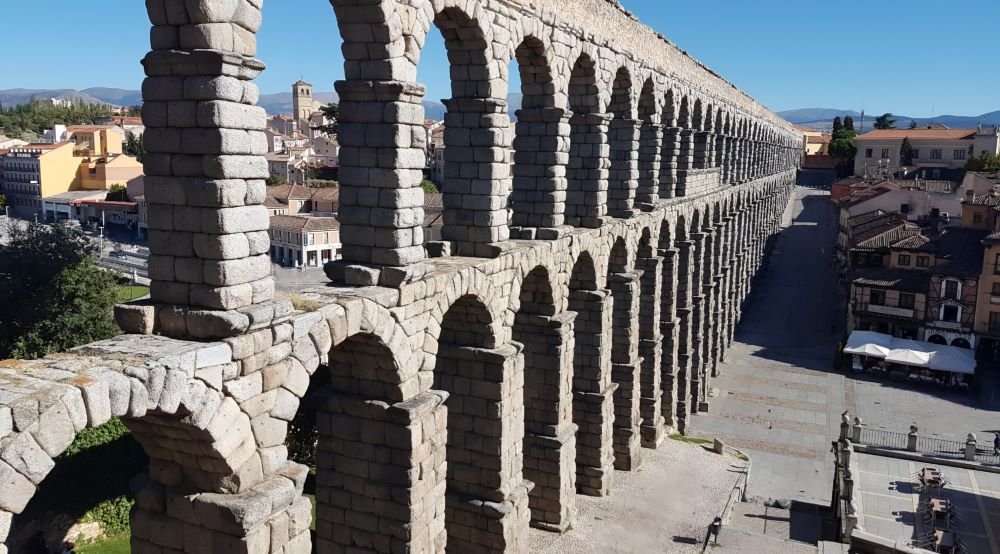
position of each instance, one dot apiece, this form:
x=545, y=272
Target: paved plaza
x=779, y=398
x=889, y=503
x=665, y=506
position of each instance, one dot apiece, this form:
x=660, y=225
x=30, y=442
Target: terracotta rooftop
x=906, y=280
x=891, y=134
x=962, y=250
x=290, y=191
x=304, y=223
x=984, y=200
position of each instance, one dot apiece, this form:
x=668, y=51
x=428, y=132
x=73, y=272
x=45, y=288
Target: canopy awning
x=911, y=352
x=954, y=359
x=868, y=343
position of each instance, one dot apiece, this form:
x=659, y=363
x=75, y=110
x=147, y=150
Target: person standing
x=713, y=532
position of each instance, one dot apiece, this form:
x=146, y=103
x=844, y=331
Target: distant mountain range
x=281, y=102
x=822, y=119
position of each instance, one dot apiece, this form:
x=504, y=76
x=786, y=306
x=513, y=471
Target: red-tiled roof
x=304, y=223
x=892, y=134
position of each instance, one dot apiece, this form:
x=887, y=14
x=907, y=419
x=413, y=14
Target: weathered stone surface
x=550, y=379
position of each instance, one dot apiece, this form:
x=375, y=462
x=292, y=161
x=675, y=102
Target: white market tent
x=868, y=343
x=911, y=352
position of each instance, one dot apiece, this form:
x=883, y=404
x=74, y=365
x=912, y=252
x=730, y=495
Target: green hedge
x=90, y=481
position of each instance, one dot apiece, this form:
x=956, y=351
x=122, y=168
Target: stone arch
x=593, y=390
x=668, y=318
x=937, y=339
x=589, y=152
x=168, y=393
x=392, y=445
x=540, y=154
x=623, y=138
x=650, y=264
x=650, y=143
x=623, y=281
x=475, y=91
x=484, y=446
x=547, y=341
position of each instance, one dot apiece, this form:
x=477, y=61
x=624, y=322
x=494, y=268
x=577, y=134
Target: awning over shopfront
x=868, y=343
x=911, y=352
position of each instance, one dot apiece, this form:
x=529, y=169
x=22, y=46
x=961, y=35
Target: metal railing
x=883, y=438
x=928, y=446
x=940, y=447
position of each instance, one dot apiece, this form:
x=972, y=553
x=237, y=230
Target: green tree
x=332, y=113
x=906, y=152
x=3, y=203
x=913, y=124
x=986, y=162
x=838, y=125
x=28, y=121
x=275, y=180
x=885, y=121
x=117, y=193
x=849, y=123
x=53, y=296
x=134, y=146
x=429, y=186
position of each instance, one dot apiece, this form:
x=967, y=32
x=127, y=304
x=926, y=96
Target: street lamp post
x=100, y=254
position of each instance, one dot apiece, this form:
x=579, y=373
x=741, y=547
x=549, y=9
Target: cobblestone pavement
x=289, y=279
x=779, y=398
x=665, y=506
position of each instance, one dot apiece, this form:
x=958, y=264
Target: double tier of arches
x=561, y=366
x=600, y=133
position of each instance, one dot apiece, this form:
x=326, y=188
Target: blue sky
x=918, y=58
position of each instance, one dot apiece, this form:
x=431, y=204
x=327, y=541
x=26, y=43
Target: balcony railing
x=884, y=310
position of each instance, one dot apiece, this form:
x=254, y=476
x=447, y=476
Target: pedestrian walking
x=996, y=444
x=713, y=532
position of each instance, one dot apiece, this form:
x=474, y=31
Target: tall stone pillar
x=593, y=391
x=685, y=279
x=622, y=181
x=625, y=369
x=209, y=262
x=697, y=361
x=708, y=313
x=477, y=176
x=650, y=351
x=588, y=170
x=550, y=434
x=382, y=159
x=650, y=149
x=720, y=158
x=717, y=323
x=389, y=448
x=670, y=328
x=702, y=150
x=487, y=496
x=685, y=161
x=668, y=161
x=541, y=155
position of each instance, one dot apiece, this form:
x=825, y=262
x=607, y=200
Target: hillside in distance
x=822, y=119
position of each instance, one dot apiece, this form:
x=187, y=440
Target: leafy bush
x=94, y=437
x=429, y=186
x=90, y=481
x=112, y=514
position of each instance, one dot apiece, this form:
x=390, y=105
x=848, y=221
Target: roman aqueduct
x=575, y=312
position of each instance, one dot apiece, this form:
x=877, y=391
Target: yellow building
x=35, y=171
x=105, y=172
x=91, y=160
x=95, y=140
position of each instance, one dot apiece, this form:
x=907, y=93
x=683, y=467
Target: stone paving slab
x=664, y=507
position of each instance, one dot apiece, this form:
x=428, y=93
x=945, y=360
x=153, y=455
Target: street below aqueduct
x=779, y=398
